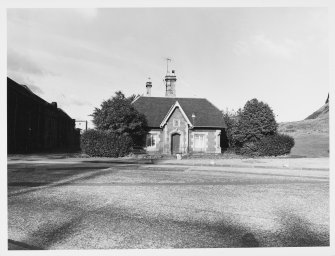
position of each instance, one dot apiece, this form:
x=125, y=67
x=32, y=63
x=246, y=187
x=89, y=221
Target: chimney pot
x=148, y=85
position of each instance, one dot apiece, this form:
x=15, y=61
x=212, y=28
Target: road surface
x=106, y=204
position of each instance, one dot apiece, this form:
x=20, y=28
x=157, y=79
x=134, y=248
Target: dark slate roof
x=156, y=108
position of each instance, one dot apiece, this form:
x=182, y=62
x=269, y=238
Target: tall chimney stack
x=170, y=84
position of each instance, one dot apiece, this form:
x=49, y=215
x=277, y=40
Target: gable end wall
x=182, y=129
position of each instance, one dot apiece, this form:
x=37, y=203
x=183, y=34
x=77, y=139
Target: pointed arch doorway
x=175, y=143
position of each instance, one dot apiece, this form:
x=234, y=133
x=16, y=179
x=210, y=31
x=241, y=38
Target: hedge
x=272, y=145
x=275, y=145
x=248, y=149
x=105, y=144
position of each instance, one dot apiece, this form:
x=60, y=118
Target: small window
x=199, y=141
x=151, y=140
x=176, y=122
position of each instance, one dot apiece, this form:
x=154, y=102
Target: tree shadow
x=181, y=234
x=130, y=162
x=59, y=183
x=16, y=245
x=294, y=231
x=249, y=240
x=47, y=235
x=299, y=232
x=136, y=229
x=31, y=175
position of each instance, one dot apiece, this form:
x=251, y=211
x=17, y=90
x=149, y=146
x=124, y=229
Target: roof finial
x=167, y=65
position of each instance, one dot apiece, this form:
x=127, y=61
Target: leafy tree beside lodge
x=117, y=115
x=119, y=126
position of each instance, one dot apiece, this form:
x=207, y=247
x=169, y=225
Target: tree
x=231, y=120
x=255, y=121
x=117, y=115
x=252, y=131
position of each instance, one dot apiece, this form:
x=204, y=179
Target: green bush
x=119, y=116
x=105, y=144
x=231, y=120
x=275, y=145
x=255, y=121
x=248, y=149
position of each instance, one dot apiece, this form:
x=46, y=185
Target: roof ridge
x=163, y=97
x=156, y=109
x=213, y=105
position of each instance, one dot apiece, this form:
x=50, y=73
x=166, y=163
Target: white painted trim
x=187, y=131
x=166, y=140
x=173, y=107
x=136, y=98
x=217, y=141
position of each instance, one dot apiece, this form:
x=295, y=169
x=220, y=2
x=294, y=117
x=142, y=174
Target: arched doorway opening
x=175, y=143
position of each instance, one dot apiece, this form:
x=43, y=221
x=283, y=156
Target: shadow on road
x=141, y=230
x=134, y=231
x=15, y=245
x=298, y=232
x=36, y=174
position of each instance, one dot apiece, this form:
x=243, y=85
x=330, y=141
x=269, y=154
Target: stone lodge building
x=180, y=125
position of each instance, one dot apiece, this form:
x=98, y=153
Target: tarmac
x=272, y=163
x=153, y=194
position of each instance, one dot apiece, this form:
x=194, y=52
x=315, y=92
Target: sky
x=80, y=57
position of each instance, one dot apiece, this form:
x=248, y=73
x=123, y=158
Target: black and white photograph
x=167, y=127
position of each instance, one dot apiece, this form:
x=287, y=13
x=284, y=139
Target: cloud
x=88, y=13
x=35, y=89
x=260, y=44
x=25, y=80
x=241, y=48
x=23, y=63
x=70, y=100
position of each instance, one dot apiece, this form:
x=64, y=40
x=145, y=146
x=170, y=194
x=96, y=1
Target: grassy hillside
x=320, y=113
x=311, y=135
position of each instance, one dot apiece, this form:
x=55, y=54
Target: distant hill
x=320, y=113
x=311, y=135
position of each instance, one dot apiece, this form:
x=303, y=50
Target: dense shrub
x=118, y=115
x=252, y=131
x=231, y=120
x=248, y=149
x=255, y=121
x=105, y=144
x=275, y=145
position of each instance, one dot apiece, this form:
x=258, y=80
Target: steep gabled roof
x=172, y=109
x=156, y=108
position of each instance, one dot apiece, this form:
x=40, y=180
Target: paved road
x=118, y=205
